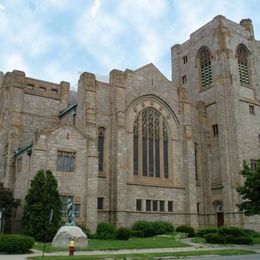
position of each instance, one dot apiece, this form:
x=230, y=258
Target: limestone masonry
x=142, y=147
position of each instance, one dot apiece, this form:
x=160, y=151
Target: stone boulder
x=70, y=233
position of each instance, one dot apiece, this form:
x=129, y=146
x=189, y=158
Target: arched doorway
x=218, y=207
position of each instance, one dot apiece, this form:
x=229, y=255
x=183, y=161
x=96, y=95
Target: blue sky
x=57, y=40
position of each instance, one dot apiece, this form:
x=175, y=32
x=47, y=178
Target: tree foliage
x=250, y=190
x=7, y=201
x=40, y=199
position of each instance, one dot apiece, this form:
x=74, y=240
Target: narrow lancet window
x=101, y=139
x=136, y=147
x=165, y=151
x=242, y=58
x=205, y=68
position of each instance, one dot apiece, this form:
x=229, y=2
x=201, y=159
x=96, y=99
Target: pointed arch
x=204, y=61
x=154, y=129
x=242, y=55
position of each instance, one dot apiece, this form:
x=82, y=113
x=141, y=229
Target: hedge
x=106, y=231
x=150, y=229
x=203, y=232
x=15, y=243
x=123, y=233
x=214, y=238
x=186, y=229
x=233, y=231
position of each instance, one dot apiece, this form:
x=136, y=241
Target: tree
x=40, y=199
x=7, y=203
x=250, y=190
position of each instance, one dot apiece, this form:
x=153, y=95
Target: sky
x=57, y=40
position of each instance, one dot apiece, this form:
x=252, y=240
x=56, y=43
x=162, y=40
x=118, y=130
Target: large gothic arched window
x=150, y=143
x=242, y=59
x=205, y=67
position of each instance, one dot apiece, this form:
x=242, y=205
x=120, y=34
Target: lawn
x=256, y=240
x=198, y=240
x=133, y=243
x=225, y=252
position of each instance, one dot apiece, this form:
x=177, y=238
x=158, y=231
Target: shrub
x=252, y=233
x=106, y=231
x=144, y=226
x=161, y=227
x=186, y=229
x=123, y=233
x=239, y=240
x=203, y=232
x=137, y=233
x=229, y=235
x=215, y=238
x=15, y=243
x=233, y=231
x=153, y=228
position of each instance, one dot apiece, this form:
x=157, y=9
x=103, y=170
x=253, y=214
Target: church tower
x=217, y=66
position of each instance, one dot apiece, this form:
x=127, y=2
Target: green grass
x=256, y=240
x=133, y=243
x=153, y=255
x=198, y=240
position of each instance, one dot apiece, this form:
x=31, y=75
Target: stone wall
x=224, y=104
x=203, y=167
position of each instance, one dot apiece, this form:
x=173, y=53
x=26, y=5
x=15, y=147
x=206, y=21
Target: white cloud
x=15, y=61
x=99, y=36
x=107, y=35
x=95, y=7
x=54, y=71
x=52, y=38
x=58, y=4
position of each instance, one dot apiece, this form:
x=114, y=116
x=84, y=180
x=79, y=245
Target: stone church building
x=143, y=147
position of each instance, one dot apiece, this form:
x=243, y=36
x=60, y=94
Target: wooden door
x=220, y=219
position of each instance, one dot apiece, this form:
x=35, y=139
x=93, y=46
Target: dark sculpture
x=70, y=212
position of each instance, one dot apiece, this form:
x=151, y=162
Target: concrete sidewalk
x=194, y=247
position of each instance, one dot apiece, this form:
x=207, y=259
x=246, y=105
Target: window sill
x=155, y=183
x=152, y=212
x=102, y=175
x=65, y=172
x=205, y=88
x=246, y=86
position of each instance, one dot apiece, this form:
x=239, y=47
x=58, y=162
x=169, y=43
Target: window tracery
x=205, y=67
x=65, y=161
x=150, y=145
x=242, y=58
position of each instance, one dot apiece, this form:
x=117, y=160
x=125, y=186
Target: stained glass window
x=150, y=134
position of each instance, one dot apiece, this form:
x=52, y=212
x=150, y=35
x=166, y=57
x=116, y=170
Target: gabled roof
x=151, y=66
x=67, y=110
